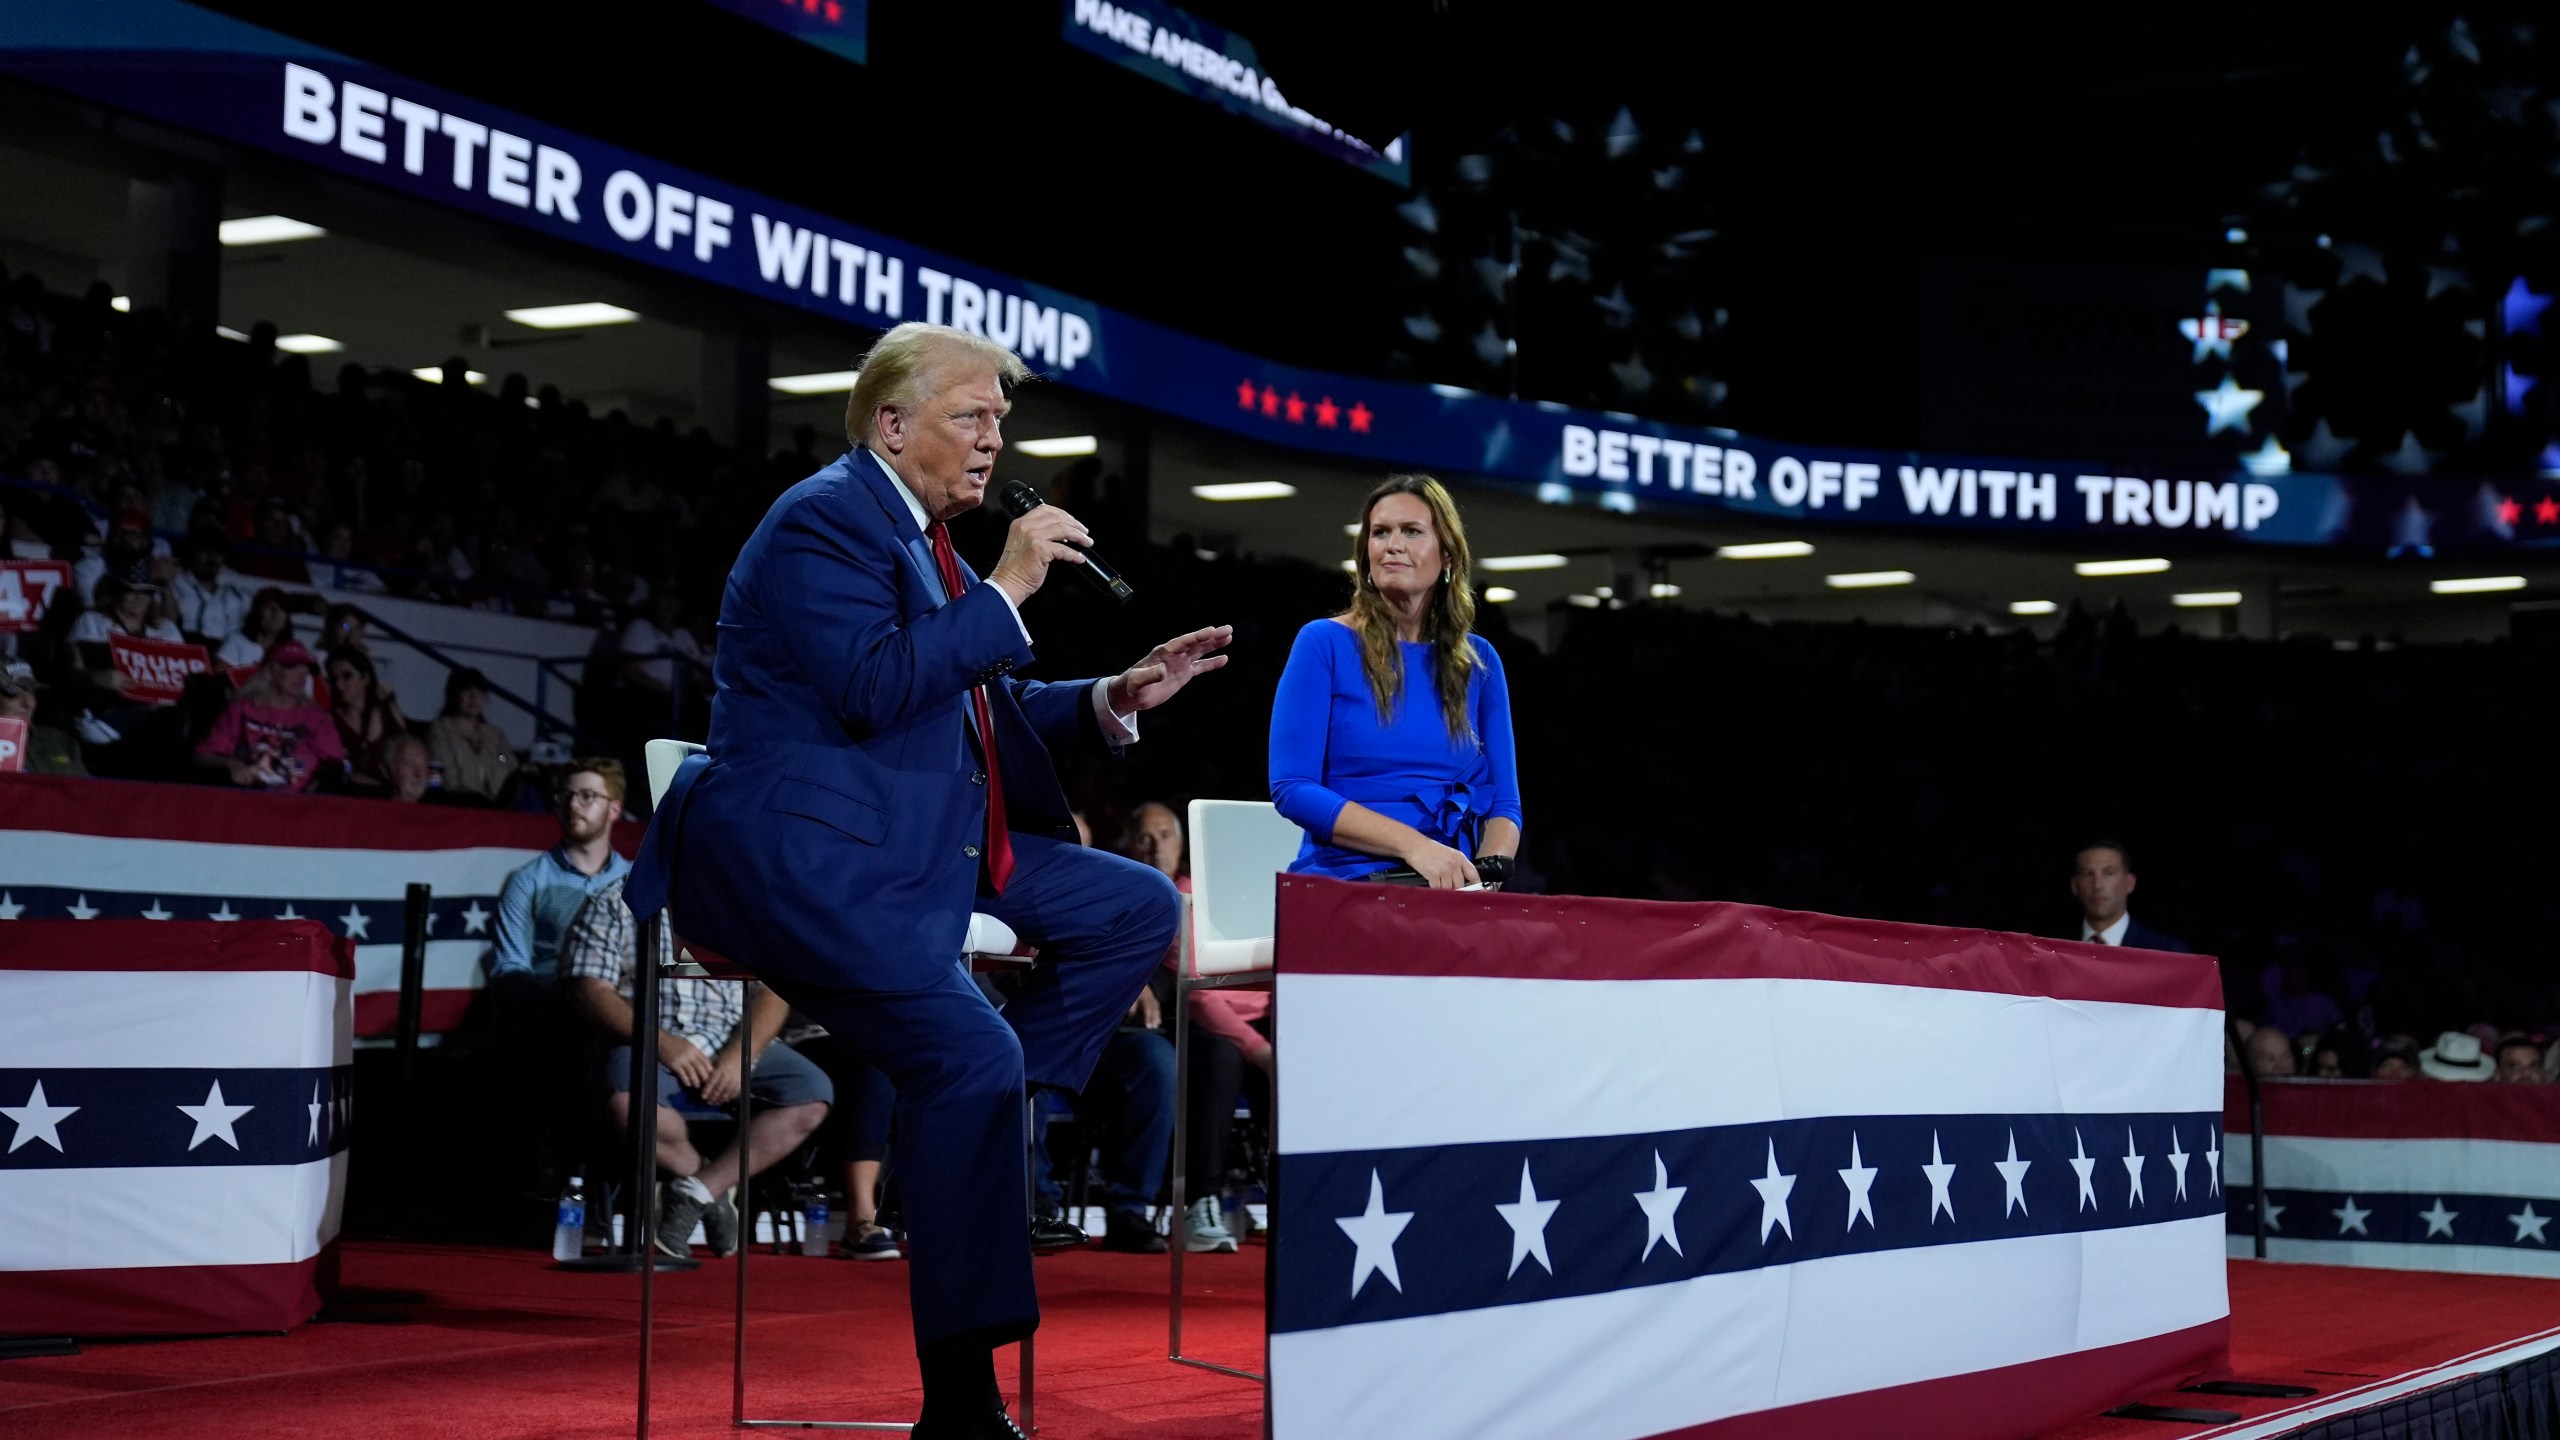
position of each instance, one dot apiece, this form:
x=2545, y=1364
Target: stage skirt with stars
x=1618, y=1170
x=175, y=1102
x=113, y=850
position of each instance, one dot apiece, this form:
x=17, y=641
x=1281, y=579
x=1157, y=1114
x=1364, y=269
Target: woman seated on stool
x=1391, y=731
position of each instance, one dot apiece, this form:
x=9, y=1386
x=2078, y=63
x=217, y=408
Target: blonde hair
x=1448, y=622
x=906, y=366
x=607, y=770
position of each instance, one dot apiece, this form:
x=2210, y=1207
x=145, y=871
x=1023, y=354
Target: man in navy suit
x=875, y=773
x=2102, y=881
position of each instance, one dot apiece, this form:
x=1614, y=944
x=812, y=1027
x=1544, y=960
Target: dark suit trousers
x=1102, y=924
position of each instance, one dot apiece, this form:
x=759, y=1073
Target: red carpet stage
x=497, y=1344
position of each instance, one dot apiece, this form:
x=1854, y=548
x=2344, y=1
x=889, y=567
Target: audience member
x=272, y=735
x=656, y=644
x=2395, y=1057
x=546, y=892
x=857, y=1134
x=413, y=777
x=2102, y=880
x=472, y=753
x=1230, y=1046
x=210, y=607
x=703, y=1043
x=127, y=605
x=49, y=750
x=2456, y=1056
x=268, y=620
x=367, y=718
x=2520, y=1060
x=2271, y=1053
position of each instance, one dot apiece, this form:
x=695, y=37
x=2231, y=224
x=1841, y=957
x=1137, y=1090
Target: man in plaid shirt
x=699, y=1061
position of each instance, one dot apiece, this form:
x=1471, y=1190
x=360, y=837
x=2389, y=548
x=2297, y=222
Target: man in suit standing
x=875, y=772
x=2102, y=881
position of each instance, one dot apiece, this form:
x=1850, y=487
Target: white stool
x=991, y=945
x=1238, y=849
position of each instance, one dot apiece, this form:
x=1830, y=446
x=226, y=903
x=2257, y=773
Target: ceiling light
x=122, y=304
x=266, y=230
x=2200, y=599
x=1058, y=447
x=571, y=317
x=227, y=333
x=2477, y=585
x=1587, y=602
x=1245, y=490
x=309, y=344
x=1664, y=591
x=2152, y=566
x=1350, y=567
x=1604, y=592
x=2032, y=607
x=434, y=375
x=1500, y=594
x=1765, y=550
x=820, y=382
x=1505, y=564
x=1351, y=529
x=1869, y=579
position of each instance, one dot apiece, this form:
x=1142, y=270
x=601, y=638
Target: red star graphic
x=1359, y=418
x=1297, y=409
x=1270, y=401
x=2546, y=511
x=1244, y=395
x=1328, y=414
x=2508, y=510
x=835, y=13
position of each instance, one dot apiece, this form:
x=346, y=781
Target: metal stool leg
x=1183, y=985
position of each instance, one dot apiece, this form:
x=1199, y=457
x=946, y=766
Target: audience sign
x=13, y=744
x=26, y=587
x=156, y=670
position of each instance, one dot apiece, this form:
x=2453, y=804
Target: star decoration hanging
x=2227, y=407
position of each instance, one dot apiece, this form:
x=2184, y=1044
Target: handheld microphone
x=1019, y=500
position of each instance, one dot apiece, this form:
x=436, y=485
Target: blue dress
x=1327, y=748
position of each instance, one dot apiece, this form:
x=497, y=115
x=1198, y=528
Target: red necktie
x=999, y=842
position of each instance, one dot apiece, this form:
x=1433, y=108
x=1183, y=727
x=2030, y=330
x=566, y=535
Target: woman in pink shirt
x=1230, y=1045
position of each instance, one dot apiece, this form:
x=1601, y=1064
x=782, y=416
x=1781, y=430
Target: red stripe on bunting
x=162, y=945
x=2027, y=1399
x=378, y=1012
x=2398, y=1110
x=1334, y=927
x=165, y=1299
x=133, y=809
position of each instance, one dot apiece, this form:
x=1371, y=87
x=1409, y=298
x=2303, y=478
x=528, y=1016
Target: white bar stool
x=1238, y=849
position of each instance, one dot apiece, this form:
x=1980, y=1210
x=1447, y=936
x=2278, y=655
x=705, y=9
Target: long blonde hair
x=1448, y=622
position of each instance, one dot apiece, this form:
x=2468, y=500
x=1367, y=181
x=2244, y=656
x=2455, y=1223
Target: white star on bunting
x=2213, y=1161
x=2133, y=1166
x=38, y=1120
x=157, y=910
x=1774, y=1189
x=1528, y=1217
x=81, y=909
x=2082, y=1165
x=1659, y=1204
x=2274, y=1211
x=10, y=909
x=214, y=1119
x=1941, y=1175
x=288, y=912
x=2351, y=1218
x=1860, y=1178
x=2178, y=1161
x=2013, y=1173
x=315, y=1108
x=1373, y=1231
x=2529, y=1225
x=358, y=924
x=475, y=921
x=225, y=913
x=2439, y=1220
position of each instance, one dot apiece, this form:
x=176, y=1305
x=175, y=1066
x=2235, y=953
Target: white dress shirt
x=2112, y=935
x=1117, y=728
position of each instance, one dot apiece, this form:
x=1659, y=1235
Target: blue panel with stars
x=79, y=1118
x=1387, y=1234
x=2432, y=1218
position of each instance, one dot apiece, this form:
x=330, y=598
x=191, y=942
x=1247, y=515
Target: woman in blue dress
x=1391, y=731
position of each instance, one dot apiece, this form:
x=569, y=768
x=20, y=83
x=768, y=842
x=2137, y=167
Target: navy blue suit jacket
x=829, y=835
x=2138, y=936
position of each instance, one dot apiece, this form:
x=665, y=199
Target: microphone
x=1019, y=500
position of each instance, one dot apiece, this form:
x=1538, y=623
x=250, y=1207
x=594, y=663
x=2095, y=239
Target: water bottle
x=569, y=1231
x=813, y=1222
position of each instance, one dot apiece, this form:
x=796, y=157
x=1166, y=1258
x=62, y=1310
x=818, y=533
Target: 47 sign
x=26, y=588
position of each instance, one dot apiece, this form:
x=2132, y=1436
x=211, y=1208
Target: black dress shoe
x=988, y=1421
x=1128, y=1234
x=1055, y=1232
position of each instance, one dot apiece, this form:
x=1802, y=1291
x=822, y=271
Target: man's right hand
x=692, y=1068
x=1034, y=542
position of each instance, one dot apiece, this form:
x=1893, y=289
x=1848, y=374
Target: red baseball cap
x=288, y=652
